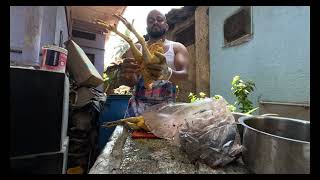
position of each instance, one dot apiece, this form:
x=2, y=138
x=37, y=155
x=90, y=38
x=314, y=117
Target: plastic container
x=54, y=58
x=114, y=109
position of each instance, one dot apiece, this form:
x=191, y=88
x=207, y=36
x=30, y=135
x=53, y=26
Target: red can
x=54, y=58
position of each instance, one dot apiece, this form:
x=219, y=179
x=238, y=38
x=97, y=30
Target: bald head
x=156, y=24
x=155, y=13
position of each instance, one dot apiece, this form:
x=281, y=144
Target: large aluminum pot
x=276, y=145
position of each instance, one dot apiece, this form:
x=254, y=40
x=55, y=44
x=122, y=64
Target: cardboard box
x=80, y=67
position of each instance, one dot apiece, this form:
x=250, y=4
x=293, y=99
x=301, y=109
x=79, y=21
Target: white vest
x=169, y=54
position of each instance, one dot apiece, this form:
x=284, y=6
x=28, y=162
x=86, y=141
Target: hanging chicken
x=148, y=54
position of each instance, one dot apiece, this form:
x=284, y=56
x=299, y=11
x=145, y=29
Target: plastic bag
x=206, y=130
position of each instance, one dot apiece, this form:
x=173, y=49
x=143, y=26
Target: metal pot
x=276, y=145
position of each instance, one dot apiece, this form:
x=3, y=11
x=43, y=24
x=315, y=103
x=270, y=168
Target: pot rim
x=242, y=119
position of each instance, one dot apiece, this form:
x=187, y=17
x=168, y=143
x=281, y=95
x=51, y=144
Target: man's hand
x=129, y=67
x=159, y=71
x=128, y=71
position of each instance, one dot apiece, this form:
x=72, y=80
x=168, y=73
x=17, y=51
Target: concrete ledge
x=123, y=155
x=110, y=158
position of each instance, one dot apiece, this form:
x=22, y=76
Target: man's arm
x=181, y=62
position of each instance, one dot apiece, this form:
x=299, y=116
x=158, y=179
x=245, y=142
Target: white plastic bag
x=206, y=130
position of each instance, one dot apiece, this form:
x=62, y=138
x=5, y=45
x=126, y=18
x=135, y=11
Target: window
x=186, y=36
x=91, y=57
x=237, y=28
x=84, y=35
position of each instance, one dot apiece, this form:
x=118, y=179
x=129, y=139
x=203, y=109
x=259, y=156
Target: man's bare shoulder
x=179, y=46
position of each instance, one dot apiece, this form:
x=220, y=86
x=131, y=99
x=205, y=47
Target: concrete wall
x=49, y=26
x=54, y=20
x=277, y=59
x=17, y=26
x=98, y=43
x=16, y=31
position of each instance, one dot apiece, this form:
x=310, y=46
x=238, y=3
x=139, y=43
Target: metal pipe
x=282, y=103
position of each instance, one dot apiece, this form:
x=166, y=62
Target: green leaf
x=235, y=79
x=218, y=96
x=231, y=108
x=242, y=85
x=202, y=94
x=252, y=110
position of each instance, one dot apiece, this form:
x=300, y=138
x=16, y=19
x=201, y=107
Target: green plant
x=194, y=98
x=110, y=74
x=241, y=89
x=108, y=79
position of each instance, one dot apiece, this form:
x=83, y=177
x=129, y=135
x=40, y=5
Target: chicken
x=135, y=123
x=148, y=51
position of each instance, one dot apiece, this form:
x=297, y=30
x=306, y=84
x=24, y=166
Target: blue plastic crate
x=114, y=109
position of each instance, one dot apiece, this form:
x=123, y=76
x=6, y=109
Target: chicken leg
x=146, y=57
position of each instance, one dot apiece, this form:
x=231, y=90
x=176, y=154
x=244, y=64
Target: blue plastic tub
x=114, y=109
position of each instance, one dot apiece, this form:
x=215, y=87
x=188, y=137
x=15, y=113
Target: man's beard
x=156, y=34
